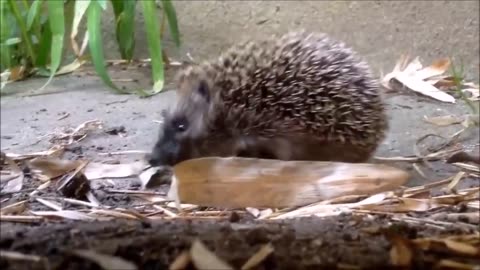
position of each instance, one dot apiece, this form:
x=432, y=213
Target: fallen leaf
x=258, y=257
x=413, y=76
x=450, y=264
x=438, y=67
x=107, y=262
x=14, y=208
x=463, y=157
x=400, y=253
x=462, y=248
x=263, y=183
x=204, y=259
x=15, y=181
x=424, y=88
x=445, y=120
x=100, y=170
x=46, y=168
x=181, y=262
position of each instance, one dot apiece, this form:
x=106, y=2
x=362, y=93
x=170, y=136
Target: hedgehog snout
x=163, y=154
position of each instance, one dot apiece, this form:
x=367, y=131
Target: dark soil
x=344, y=242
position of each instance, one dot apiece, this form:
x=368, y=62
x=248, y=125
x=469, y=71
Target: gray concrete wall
x=380, y=30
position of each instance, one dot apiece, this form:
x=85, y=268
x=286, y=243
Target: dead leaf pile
x=428, y=81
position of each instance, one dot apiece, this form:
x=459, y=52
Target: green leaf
x=152, y=29
x=33, y=13
x=169, y=11
x=117, y=7
x=23, y=29
x=125, y=31
x=95, y=43
x=44, y=47
x=57, y=26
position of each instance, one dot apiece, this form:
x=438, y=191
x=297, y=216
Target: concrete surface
x=380, y=30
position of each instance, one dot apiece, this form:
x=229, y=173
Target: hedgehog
x=298, y=96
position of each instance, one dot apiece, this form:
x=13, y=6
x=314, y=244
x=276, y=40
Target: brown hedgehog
x=300, y=96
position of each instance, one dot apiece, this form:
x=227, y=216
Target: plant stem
x=23, y=28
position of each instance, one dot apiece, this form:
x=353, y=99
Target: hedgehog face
x=183, y=127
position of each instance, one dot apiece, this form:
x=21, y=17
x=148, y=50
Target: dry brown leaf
x=46, y=168
x=445, y=120
x=462, y=248
x=181, y=262
x=14, y=208
x=401, y=253
x=107, y=262
x=100, y=170
x=68, y=214
x=259, y=256
x=449, y=264
x=204, y=259
x=438, y=67
x=263, y=183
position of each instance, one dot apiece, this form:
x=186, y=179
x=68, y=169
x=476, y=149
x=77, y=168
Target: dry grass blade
x=113, y=213
x=52, y=205
x=67, y=214
x=17, y=218
x=321, y=209
x=99, y=170
x=445, y=120
x=262, y=183
x=204, y=259
x=14, y=208
x=259, y=256
x=55, y=151
x=107, y=262
x=76, y=134
x=12, y=255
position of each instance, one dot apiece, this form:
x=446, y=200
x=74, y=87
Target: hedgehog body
x=300, y=96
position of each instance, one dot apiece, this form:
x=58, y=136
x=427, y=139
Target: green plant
x=458, y=78
x=33, y=34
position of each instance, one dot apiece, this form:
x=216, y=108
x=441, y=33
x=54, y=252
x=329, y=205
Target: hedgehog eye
x=180, y=124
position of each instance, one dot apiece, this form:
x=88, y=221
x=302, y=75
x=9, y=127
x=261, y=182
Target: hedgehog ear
x=203, y=90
